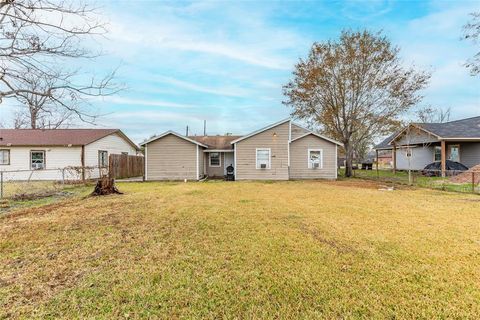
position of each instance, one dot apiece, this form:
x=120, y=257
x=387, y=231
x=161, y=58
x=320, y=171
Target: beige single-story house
x=56, y=154
x=281, y=151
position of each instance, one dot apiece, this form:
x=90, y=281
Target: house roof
x=385, y=144
x=463, y=129
x=216, y=142
x=166, y=133
x=55, y=137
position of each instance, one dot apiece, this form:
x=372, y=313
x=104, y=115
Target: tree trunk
x=33, y=118
x=104, y=187
x=348, y=159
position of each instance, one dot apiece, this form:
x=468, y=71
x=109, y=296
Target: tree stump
x=104, y=187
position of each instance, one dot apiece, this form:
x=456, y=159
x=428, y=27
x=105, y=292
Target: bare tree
x=36, y=37
x=429, y=114
x=471, y=31
x=355, y=88
x=57, y=109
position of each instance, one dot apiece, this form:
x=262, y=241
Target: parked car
x=434, y=169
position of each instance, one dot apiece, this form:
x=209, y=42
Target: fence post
x=1, y=185
x=473, y=181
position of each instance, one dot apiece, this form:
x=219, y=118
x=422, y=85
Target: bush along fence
x=454, y=180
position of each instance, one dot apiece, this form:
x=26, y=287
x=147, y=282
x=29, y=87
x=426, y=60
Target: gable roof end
x=318, y=135
x=261, y=130
x=166, y=133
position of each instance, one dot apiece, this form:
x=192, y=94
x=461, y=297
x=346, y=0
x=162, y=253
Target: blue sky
x=226, y=62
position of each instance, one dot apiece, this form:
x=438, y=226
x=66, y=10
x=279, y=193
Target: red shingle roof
x=216, y=142
x=49, y=137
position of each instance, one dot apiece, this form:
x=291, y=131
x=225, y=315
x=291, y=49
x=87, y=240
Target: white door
x=228, y=160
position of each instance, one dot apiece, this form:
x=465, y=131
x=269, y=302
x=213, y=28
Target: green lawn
x=245, y=250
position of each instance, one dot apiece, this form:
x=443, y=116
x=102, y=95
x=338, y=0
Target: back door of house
x=228, y=161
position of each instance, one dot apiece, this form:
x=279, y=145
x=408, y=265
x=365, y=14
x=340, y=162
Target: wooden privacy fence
x=122, y=166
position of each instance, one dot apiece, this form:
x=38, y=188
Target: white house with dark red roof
x=44, y=154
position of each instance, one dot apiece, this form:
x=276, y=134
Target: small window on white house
x=438, y=153
x=37, y=160
x=263, y=158
x=214, y=159
x=4, y=156
x=102, y=158
x=315, y=158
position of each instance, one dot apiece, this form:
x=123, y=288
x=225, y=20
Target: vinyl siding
x=299, y=159
x=113, y=144
x=216, y=171
x=171, y=158
x=416, y=136
x=421, y=156
x=246, y=155
x=56, y=158
x=297, y=131
x=469, y=153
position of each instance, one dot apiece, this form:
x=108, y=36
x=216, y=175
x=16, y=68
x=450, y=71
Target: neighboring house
x=42, y=154
x=419, y=144
x=281, y=151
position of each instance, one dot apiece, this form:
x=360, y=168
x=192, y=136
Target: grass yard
x=245, y=250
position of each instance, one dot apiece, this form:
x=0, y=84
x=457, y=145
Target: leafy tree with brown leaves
x=354, y=88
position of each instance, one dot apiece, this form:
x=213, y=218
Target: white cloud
x=252, y=42
x=143, y=102
x=222, y=91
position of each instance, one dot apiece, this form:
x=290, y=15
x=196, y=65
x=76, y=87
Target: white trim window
x=37, y=159
x=4, y=156
x=214, y=159
x=263, y=158
x=102, y=158
x=315, y=158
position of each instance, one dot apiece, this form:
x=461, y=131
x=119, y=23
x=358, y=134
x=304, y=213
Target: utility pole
x=204, y=127
x=186, y=132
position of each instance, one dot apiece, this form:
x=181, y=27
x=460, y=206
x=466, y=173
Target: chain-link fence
x=452, y=180
x=31, y=184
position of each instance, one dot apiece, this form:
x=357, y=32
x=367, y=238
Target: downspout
x=288, y=146
x=235, y=160
x=145, y=172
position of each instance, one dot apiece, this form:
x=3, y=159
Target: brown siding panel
x=297, y=131
x=299, y=158
x=172, y=158
x=246, y=155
